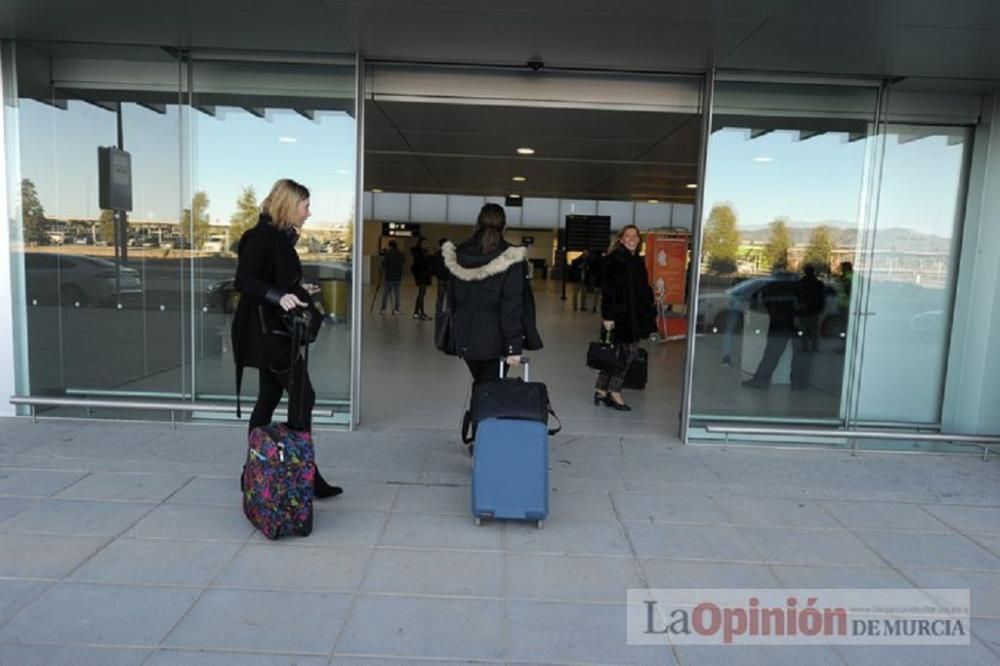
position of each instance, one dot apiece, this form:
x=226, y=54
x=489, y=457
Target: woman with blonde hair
x=627, y=311
x=269, y=281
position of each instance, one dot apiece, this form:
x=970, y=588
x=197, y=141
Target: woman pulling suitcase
x=269, y=281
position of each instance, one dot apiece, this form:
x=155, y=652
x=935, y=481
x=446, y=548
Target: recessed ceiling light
x=519, y=179
x=515, y=196
x=525, y=151
x=692, y=186
x=763, y=159
x=652, y=201
x=376, y=190
x=287, y=139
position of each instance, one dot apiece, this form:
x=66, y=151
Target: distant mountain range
x=903, y=240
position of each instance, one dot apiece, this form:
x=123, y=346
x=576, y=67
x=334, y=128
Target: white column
x=972, y=387
x=7, y=210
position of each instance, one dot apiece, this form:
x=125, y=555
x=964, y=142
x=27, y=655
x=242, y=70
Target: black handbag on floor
x=638, y=372
x=603, y=355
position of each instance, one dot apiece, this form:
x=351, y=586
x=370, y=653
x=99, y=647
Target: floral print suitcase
x=277, y=481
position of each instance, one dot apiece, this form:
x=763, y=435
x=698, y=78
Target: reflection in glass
x=783, y=189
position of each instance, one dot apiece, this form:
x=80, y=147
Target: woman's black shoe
x=620, y=406
x=322, y=489
x=598, y=398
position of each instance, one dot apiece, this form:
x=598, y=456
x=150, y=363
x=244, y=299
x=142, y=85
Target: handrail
x=172, y=406
x=982, y=441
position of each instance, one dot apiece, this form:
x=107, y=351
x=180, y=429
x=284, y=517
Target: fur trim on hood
x=495, y=266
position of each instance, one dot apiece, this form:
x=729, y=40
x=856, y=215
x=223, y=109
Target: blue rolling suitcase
x=510, y=472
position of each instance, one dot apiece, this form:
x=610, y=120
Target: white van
x=214, y=244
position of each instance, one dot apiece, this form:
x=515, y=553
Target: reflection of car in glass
x=222, y=297
x=214, y=244
x=78, y=279
x=715, y=308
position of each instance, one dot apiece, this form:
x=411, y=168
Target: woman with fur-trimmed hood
x=494, y=309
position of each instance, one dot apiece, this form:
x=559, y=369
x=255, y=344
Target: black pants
x=778, y=339
x=301, y=397
x=418, y=307
x=485, y=371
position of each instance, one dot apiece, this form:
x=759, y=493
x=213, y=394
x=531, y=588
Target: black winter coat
x=494, y=313
x=392, y=265
x=421, y=267
x=626, y=297
x=268, y=268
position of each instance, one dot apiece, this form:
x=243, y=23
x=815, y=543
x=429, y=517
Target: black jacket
x=268, y=268
x=421, y=267
x=626, y=297
x=392, y=265
x=494, y=312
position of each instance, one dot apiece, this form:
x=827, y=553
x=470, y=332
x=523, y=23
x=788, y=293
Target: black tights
x=485, y=371
x=418, y=306
x=301, y=398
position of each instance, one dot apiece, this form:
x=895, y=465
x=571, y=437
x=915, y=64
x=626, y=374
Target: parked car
x=214, y=244
x=78, y=279
x=716, y=308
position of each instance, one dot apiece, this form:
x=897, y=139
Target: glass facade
x=826, y=278
x=138, y=303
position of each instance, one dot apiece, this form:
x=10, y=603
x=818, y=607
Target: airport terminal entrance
x=573, y=158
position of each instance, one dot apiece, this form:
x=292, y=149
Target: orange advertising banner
x=666, y=264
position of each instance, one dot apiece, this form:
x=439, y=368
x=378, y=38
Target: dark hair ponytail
x=489, y=227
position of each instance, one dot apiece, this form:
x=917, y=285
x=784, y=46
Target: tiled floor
x=111, y=555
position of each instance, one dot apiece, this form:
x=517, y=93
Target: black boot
x=322, y=489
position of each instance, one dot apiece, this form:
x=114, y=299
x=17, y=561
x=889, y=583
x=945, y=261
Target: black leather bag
x=508, y=398
x=444, y=321
x=638, y=372
x=603, y=355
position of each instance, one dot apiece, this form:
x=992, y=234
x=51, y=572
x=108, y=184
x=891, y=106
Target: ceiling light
x=287, y=139
x=376, y=190
x=692, y=186
x=519, y=179
x=514, y=196
x=763, y=159
x=652, y=201
x=525, y=151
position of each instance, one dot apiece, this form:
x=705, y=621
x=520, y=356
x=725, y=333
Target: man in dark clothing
x=811, y=296
x=779, y=298
x=392, y=276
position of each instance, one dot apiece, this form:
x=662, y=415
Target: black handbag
x=444, y=322
x=638, y=371
x=603, y=355
x=508, y=398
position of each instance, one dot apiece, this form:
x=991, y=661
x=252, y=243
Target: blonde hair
x=281, y=202
x=621, y=234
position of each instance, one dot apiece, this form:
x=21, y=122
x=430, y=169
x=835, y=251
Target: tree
x=820, y=248
x=32, y=214
x=106, y=227
x=722, y=240
x=778, y=241
x=194, y=228
x=245, y=216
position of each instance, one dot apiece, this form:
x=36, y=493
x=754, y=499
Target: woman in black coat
x=421, y=275
x=269, y=281
x=494, y=314
x=627, y=312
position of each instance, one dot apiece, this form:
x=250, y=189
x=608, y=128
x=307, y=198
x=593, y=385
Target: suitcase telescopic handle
x=525, y=362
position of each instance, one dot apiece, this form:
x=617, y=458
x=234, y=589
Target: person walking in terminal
x=269, y=280
x=489, y=281
x=421, y=270
x=627, y=312
x=392, y=275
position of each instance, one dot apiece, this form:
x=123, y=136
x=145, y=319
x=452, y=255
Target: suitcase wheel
x=540, y=524
x=479, y=521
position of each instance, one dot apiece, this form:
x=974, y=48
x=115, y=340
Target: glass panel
x=908, y=299
x=253, y=123
x=103, y=317
x=785, y=178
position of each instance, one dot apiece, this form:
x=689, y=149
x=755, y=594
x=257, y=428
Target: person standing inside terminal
x=269, y=281
x=421, y=270
x=627, y=312
x=489, y=281
x=392, y=276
